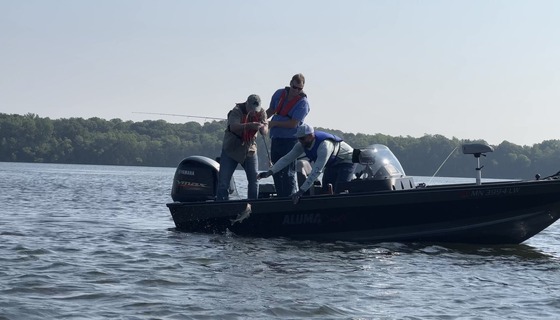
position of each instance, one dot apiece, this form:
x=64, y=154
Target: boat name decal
x=187, y=172
x=307, y=218
x=494, y=192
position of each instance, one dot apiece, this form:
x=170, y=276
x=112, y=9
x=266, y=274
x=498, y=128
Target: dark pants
x=343, y=172
x=285, y=179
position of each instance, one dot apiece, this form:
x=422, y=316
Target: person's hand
x=263, y=175
x=296, y=196
x=271, y=124
x=254, y=125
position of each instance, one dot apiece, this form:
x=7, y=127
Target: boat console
x=378, y=169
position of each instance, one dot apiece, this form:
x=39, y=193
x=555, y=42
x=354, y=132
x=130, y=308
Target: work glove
x=296, y=196
x=263, y=175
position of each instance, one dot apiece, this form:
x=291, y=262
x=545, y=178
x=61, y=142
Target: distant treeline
x=30, y=138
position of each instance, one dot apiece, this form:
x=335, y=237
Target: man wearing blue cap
x=330, y=155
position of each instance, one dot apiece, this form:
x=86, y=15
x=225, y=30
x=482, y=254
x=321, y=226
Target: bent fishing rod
x=211, y=118
x=180, y=115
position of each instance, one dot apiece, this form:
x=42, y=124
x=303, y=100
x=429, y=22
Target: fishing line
x=267, y=152
x=264, y=139
x=206, y=118
x=444, y=161
x=180, y=115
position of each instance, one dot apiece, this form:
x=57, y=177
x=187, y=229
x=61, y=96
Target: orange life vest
x=248, y=135
x=282, y=109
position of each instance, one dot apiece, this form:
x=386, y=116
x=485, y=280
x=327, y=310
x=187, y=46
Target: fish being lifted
x=242, y=215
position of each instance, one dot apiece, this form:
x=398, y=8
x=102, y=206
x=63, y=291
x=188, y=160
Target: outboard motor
x=196, y=179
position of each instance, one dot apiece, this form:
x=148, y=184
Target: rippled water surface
x=97, y=242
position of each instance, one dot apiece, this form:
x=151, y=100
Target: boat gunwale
x=418, y=190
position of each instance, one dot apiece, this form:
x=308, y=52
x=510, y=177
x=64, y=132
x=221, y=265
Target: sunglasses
x=297, y=88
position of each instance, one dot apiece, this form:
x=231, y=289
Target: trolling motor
x=477, y=149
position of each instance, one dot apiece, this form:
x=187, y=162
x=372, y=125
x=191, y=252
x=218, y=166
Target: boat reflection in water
x=381, y=205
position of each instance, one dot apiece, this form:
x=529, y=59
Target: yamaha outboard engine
x=196, y=179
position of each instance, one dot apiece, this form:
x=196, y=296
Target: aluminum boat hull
x=490, y=213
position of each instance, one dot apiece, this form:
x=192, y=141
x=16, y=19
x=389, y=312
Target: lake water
x=97, y=242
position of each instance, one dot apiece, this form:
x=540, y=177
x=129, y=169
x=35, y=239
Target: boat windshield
x=378, y=162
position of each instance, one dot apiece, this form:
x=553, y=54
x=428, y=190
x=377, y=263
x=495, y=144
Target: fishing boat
x=381, y=205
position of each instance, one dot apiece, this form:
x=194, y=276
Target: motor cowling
x=196, y=179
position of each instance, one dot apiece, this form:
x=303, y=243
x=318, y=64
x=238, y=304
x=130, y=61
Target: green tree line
x=30, y=138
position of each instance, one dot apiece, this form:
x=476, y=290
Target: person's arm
x=324, y=152
x=292, y=123
x=273, y=101
x=269, y=112
x=237, y=126
x=264, y=128
x=234, y=121
x=288, y=158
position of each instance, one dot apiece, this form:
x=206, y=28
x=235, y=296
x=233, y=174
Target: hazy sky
x=467, y=69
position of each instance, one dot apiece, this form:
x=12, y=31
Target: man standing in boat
x=288, y=109
x=327, y=152
x=244, y=121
